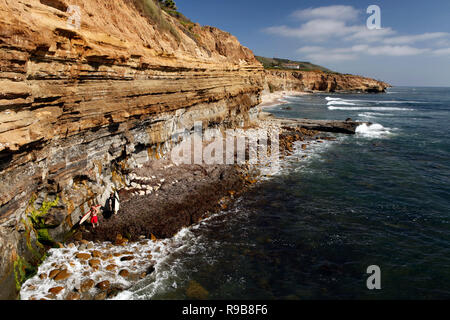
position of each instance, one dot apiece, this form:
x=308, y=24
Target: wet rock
x=55, y=290
x=304, y=146
x=96, y=253
x=73, y=296
x=83, y=256
x=150, y=270
x=104, y=285
x=111, y=267
x=86, y=285
x=42, y=276
x=63, y=275
x=114, y=290
x=107, y=256
x=120, y=240
x=52, y=274
x=100, y=296
x=127, y=258
x=124, y=273
x=94, y=263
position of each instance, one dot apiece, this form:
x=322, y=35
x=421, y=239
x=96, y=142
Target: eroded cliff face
x=78, y=107
x=280, y=80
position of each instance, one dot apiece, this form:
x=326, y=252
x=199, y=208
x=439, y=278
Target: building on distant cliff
x=290, y=66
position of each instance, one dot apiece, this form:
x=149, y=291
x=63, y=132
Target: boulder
x=127, y=258
x=100, y=296
x=124, y=273
x=55, y=290
x=63, y=275
x=73, y=296
x=83, y=256
x=86, y=285
x=111, y=267
x=96, y=253
x=53, y=273
x=94, y=263
x=103, y=285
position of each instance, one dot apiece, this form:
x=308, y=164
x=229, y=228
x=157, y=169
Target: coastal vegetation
x=282, y=64
x=157, y=11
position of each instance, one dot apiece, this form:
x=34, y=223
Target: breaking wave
x=370, y=108
x=372, y=131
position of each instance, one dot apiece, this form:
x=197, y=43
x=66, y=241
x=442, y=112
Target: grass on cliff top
x=277, y=63
x=154, y=13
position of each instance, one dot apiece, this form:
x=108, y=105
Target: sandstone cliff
x=281, y=80
x=78, y=106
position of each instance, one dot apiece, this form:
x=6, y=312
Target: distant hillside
x=277, y=63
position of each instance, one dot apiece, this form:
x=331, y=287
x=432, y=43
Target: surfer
x=113, y=203
x=93, y=209
x=94, y=212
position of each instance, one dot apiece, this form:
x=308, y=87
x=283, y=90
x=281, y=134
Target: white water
x=372, y=131
x=65, y=257
x=370, y=108
x=346, y=103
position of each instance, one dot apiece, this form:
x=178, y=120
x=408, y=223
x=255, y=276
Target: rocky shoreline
x=83, y=111
x=159, y=200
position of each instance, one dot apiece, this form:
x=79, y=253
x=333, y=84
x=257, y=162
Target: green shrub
x=154, y=13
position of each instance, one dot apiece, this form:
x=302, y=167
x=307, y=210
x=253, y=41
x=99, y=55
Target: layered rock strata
x=312, y=81
x=80, y=107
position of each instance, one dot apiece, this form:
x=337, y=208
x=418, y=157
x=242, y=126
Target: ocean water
x=381, y=197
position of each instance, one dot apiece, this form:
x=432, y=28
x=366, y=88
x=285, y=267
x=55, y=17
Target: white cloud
x=416, y=38
x=362, y=33
x=338, y=12
x=323, y=54
x=321, y=57
x=396, y=51
x=336, y=25
x=442, y=52
x=308, y=49
x=317, y=30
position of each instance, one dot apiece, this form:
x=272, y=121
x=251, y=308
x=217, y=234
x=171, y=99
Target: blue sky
x=411, y=49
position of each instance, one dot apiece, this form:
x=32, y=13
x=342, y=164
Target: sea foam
x=369, y=108
x=372, y=131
